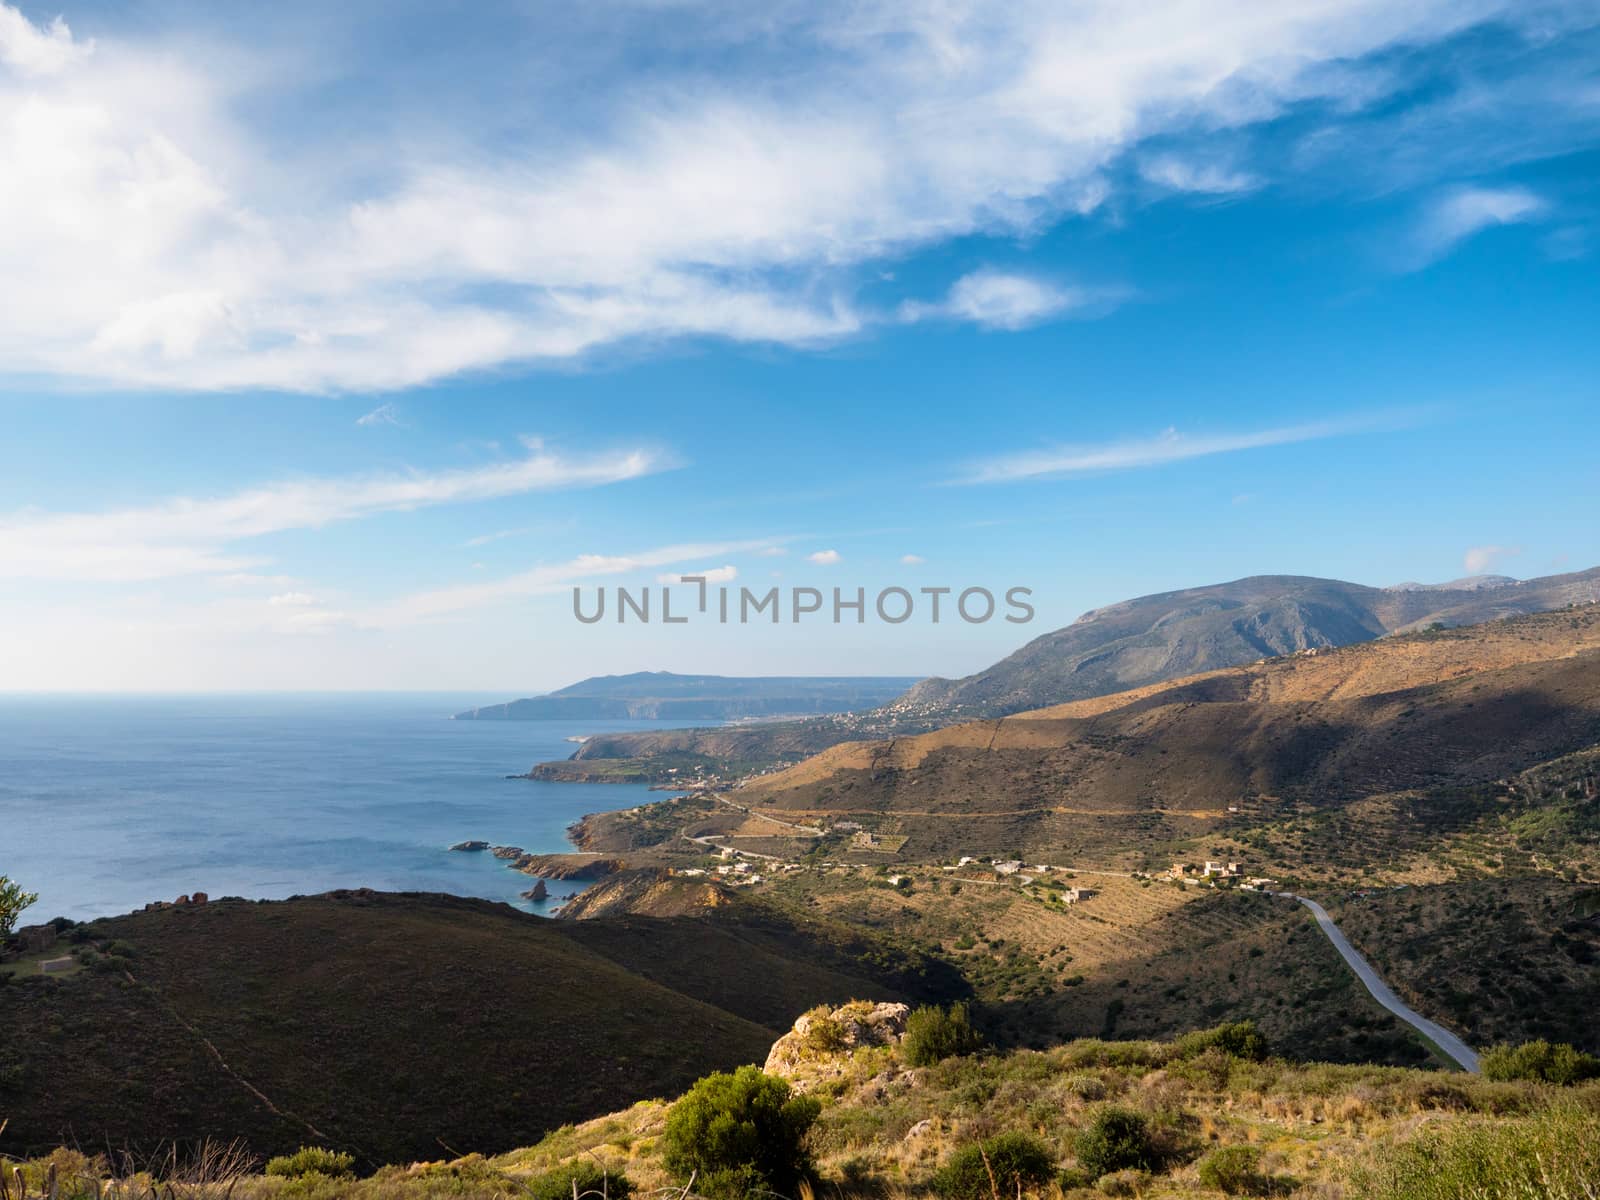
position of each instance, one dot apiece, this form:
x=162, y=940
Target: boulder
x=822, y=1035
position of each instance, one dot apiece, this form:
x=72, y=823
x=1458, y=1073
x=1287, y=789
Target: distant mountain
x=663, y=696
x=1127, y=645
x=1172, y=634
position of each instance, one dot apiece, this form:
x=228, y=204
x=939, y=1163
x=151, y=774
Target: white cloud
x=711, y=575
x=1456, y=215
x=547, y=580
x=483, y=539
x=1168, y=447
x=156, y=232
x=1001, y=300
x=1191, y=175
x=824, y=558
x=772, y=551
x=1480, y=560
x=249, y=579
x=292, y=600
x=384, y=414
x=186, y=536
x=37, y=50
x=912, y=560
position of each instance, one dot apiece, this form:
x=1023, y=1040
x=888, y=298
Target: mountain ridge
x=1107, y=650
x=665, y=695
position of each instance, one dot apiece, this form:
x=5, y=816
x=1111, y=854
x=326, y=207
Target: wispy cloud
x=1207, y=177
x=723, y=574
x=824, y=558
x=187, y=536
x=483, y=539
x=1004, y=300
x=553, y=578
x=1482, y=559
x=154, y=234
x=1169, y=446
x=912, y=560
x=1453, y=216
x=384, y=414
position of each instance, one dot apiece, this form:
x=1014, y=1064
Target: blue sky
x=336, y=347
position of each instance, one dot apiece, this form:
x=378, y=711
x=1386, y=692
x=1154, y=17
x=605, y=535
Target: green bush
x=740, y=1132
x=1235, y=1170
x=584, y=1176
x=308, y=1160
x=1116, y=1138
x=1237, y=1039
x=1546, y=1062
x=934, y=1034
x=824, y=1035
x=1017, y=1161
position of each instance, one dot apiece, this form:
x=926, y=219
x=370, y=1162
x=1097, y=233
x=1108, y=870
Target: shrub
x=308, y=1160
x=1086, y=1086
x=1016, y=1161
x=1123, y=1183
x=1555, y=1156
x=740, y=1132
x=1546, y=1062
x=824, y=1035
x=1237, y=1039
x=1235, y=1170
x=1115, y=1139
x=934, y=1034
x=580, y=1177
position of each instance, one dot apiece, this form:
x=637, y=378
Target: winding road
x=1452, y=1046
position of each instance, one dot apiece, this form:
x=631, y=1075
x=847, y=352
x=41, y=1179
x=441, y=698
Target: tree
x=740, y=1132
x=934, y=1034
x=12, y=901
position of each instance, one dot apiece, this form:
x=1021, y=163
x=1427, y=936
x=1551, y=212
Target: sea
x=110, y=802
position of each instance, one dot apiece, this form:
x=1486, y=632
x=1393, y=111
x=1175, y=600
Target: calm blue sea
x=109, y=802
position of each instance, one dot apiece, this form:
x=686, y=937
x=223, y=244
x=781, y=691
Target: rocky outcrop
x=569, y=866
x=821, y=1038
x=472, y=846
x=650, y=892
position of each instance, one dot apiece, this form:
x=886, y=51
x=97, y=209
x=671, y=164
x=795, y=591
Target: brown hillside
x=1405, y=712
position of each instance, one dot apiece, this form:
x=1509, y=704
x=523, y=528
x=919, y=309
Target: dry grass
x=1318, y=1130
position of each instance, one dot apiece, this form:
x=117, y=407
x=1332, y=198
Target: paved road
x=1464, y=1055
